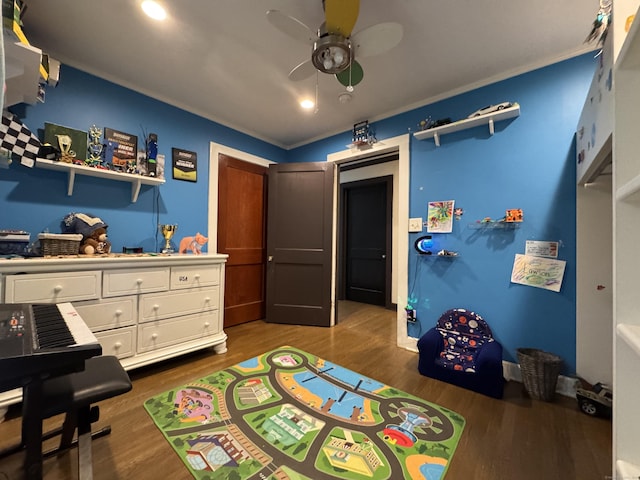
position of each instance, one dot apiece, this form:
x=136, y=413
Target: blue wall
x=529, y=164
x=35, y=199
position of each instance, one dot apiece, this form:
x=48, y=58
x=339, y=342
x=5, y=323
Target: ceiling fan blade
x=291, y=26
x=302, y=71
x=376, y=39
x=341, y=16
x=351, y=76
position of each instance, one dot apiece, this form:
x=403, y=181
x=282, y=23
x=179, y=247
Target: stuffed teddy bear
x=96, y=243
x=93, y=230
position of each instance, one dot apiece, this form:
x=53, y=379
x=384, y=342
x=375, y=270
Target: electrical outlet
x=415, y=225
x=411, y=314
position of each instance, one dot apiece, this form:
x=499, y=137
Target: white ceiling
x=222, y=59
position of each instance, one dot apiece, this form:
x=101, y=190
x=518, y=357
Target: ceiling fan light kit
x=334, y=49
x=331, y=54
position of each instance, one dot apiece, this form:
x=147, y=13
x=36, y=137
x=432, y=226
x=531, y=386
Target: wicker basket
x=60, y=243
x=540, y=372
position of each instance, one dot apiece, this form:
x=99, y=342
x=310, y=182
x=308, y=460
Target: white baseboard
x=566, y=385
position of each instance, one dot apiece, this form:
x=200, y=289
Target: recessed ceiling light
x=307, y=104
x=154, y=10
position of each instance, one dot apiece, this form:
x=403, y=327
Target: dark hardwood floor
x=515, y=438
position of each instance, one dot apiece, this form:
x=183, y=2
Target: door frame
x=387, y=182
x=399, y=144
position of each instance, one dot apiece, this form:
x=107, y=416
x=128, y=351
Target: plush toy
x=93, y=230
x=194, y=244
x=96, y=243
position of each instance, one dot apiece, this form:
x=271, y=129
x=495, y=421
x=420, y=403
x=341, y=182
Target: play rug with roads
x=288, y=414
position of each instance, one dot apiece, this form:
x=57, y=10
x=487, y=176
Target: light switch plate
x=415, y=225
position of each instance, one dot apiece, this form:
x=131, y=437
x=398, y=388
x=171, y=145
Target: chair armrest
x=430, y=344
x=489, y=357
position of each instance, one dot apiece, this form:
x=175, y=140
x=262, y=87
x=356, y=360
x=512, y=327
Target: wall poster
x=538, y=272
x=440, y=217
x=185, y=165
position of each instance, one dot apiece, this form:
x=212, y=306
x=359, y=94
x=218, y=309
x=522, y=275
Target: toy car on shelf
x=597, y=401
x=428, y=123
x=490, y=109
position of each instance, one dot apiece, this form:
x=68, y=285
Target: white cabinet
x=626, y=260
x=142, y=309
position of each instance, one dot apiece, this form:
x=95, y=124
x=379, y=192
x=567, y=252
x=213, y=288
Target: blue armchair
x=461, y=350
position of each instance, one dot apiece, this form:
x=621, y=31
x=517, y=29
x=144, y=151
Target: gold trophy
x=167, y=232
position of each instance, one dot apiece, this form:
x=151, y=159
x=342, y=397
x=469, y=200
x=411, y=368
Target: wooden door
x=299, y=243
x=366, y=241
x=242, y=190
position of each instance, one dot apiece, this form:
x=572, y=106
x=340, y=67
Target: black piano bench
x=75, y=395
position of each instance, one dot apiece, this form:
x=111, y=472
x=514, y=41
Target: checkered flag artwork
x=18, y=139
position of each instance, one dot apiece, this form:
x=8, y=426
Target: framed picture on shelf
x=125, y=148
x=71, y=142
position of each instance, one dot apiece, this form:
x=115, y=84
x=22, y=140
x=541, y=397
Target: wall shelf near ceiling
x=72, y=169
x=467, y=123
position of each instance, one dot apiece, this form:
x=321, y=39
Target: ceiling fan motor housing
x=331, y=53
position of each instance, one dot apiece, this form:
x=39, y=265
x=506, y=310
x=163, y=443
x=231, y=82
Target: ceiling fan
x=334, y=48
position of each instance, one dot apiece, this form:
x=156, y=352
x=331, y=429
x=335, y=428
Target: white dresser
x=142, y=309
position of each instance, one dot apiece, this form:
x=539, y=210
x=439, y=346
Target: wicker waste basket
x=540, y=372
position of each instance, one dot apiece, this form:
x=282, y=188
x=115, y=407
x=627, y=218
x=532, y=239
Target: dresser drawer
x=177, y=303
x=128, y=282
x=189, y=277
x=53, y=287
x=108, y=313
x=164, y=333
x=120, y=342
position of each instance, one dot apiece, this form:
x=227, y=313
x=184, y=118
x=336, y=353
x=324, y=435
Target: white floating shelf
x=494, y=225
x=467, y=123
x=72, y=169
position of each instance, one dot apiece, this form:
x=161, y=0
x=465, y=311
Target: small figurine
x=194, y=244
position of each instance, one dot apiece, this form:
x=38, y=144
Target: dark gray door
x=366, y=240
x=299, y=243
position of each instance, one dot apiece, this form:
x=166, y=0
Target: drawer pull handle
x=139, y=281
x=154, y=336
x=118, y=313
x=57, y=288
x=206, y=324
x=156, y=306
x=117, y=345
x=197, y=276
x=207, y=299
